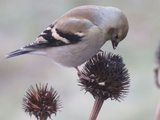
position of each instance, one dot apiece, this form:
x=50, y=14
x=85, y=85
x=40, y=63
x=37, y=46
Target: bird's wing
x=63, y=32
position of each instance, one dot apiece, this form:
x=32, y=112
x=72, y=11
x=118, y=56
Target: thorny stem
x=156, y=70
x=96, y=108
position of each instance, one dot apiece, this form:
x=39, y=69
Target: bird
x=78, y=35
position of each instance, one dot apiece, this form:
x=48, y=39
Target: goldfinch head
x=118, y=26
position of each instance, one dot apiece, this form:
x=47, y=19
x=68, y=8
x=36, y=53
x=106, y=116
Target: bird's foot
x=81, y=75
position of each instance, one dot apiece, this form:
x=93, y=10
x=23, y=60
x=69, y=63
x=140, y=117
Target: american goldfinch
x=78, y=35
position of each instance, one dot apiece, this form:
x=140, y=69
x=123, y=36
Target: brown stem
x=156, y=70
x=96, y=108
x=43, y=117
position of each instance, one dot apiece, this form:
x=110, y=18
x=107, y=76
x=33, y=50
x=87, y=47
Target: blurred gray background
x=21, y=21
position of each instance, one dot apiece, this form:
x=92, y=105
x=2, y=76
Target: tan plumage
x=78, y=35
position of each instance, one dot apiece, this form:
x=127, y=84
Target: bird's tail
x=17, y=53
x=33, y=48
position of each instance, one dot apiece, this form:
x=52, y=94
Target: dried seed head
x=106, y=76
x=41, y=102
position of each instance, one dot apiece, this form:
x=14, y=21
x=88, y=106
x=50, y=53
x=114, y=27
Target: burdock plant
x=105, y=76
x=41, y=102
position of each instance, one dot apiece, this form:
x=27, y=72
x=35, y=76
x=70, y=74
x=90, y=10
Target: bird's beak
x=114, y=44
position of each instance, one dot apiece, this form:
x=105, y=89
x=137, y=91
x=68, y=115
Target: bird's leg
x=81, y=75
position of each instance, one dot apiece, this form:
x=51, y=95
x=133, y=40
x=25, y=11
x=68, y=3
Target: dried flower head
x=41, y=102
x=105, y=76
